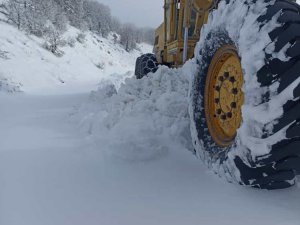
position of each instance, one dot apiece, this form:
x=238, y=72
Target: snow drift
x=143, y=119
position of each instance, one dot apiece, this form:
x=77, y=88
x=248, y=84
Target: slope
x=86, y=60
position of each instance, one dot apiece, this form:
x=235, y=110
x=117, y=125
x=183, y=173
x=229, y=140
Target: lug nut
x=217, y=88
x=224, y=117
x=233, y=105
x=219, y=111
x=229, y=115
x=221, y=78
x=234, y=91
x=232, y=79
x=226, y=74
x=217, y=100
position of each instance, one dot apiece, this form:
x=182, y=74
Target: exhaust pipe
x=185, y=44
x=187, y=12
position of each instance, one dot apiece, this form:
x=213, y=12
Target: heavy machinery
x=245, y=95
x=176, y=37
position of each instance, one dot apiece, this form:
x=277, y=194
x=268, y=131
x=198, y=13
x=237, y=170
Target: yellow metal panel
x=169, y=44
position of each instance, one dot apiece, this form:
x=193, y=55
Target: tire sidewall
x=253, y=27
x=202, y=138
x=232, y=23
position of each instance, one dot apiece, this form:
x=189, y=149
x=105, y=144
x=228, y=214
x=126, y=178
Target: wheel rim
x=224, y=96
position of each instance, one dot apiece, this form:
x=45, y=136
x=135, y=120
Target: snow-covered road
x=51, y=174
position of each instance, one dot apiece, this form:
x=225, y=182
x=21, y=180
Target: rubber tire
x=145, y=64
x=278, y=169
x=137, y=71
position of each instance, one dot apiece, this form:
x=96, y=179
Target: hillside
x=85, y=60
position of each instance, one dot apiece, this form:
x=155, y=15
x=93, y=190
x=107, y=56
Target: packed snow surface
x=51, y=173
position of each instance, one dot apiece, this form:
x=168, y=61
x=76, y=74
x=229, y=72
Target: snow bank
x=86, y=60
x=143, y=119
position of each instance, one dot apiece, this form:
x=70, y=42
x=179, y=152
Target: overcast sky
x=139, y=12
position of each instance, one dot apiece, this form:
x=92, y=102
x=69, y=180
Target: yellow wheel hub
x=223, y=96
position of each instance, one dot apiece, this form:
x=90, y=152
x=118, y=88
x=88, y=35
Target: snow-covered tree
x=36, y=16
x=16, y=12
x=33, y=15
x=3, y=9
x=98, y=17
x=53, y=38
x=128, y=39
x=115, y=24
x=74, y=11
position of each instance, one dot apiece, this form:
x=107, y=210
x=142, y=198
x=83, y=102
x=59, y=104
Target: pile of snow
x=86, y=60
x=143, y=119
x=9, y=86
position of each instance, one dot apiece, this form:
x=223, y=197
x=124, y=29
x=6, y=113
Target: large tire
x=266, y=150
x=145, y=64
x=137, y=71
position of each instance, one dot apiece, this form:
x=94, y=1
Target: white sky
x=139, y=12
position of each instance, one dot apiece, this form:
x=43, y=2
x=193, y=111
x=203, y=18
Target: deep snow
x=50, y=173
x=86, y=60
x=143, y=119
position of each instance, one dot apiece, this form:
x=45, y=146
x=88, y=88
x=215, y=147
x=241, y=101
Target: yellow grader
x=245, y=93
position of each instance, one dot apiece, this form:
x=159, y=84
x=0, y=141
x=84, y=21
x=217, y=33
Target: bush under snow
x=9, y=86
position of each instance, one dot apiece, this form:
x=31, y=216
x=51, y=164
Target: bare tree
x=115, y=24
x=16, y=12
x=3, y=10
x=127, y=33
x=53, y=38
x=98, y=17
x=74, y=11
x=33, y=15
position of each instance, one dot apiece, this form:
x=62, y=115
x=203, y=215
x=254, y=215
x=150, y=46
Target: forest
x=50, y=18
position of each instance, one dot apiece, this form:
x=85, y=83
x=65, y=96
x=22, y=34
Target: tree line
x=49, y=19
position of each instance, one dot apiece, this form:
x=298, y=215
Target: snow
x=121, y=155
x=50, y=173
x=142, y=119
x=8, y=86
x=82, y=66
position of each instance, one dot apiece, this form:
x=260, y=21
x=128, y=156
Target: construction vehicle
x=176, y=37
x=243, y=67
